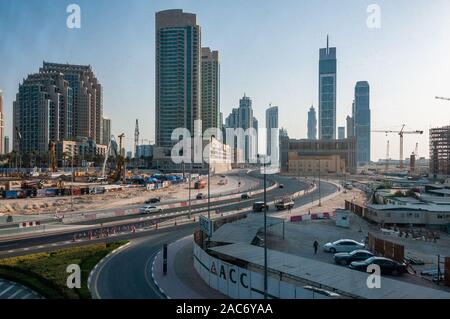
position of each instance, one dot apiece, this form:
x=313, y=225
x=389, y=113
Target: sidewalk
x=182, y=280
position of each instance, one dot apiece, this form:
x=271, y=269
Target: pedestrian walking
x=316, y=246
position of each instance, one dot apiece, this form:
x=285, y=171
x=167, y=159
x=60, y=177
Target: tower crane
x=400, y=133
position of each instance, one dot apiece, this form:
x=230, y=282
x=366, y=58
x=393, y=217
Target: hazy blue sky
x=268, y=49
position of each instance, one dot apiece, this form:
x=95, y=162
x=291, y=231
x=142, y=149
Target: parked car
x=348, y=258
x=153, y=200
x=200, y=196
x=245, y=196
x=321, y=292
x=150, y=209
x=343, y=246
x=281, y=186
x=387, y=266
x=259, y=206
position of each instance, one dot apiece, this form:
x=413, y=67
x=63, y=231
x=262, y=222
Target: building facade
x=327, y=93
x=336, y=156
x=350, y=127
x=312, y=124
x=83, y=150
x=87, y=112
x=440, y=151
x=2, y=125
x=178, y=74
x=106, y=126
x=361, y=118
x=145, y=150
x=210, y=71
x=6, y=145
x=284, y=150
x=271, y=123
x=341, y=132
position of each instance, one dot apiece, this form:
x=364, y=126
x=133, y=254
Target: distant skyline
x=269, y=50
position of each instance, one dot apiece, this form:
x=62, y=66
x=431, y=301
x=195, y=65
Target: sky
x=269, y=50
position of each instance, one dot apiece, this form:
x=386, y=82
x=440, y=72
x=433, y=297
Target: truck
x=200, y=184
x=284, y=203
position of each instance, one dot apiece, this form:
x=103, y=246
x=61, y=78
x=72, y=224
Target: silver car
x=150, y=209
x=343, y=246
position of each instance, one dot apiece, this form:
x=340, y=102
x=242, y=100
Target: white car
x=150, y=209
x=343, y=246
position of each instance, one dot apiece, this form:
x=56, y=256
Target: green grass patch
x=46, y=272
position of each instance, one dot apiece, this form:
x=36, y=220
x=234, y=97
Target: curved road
x=127, y=274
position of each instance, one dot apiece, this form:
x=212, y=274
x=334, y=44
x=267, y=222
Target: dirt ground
x=113, y=199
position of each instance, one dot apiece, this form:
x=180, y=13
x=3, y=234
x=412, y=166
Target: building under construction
x=440, y=151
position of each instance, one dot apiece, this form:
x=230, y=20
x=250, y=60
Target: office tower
x=350, y=127
x=2, y=123
x=221, y=120
x=87, y=112
x=312, y=124
x=42, y=112
x=362, y=122
x=6, y=145
x=284, y=149
x=271, y=123
x=242, y=117
x=327, y=93
x=178, y=74
x=341, y=132
x=440, y=151
x=210, y=89
x=106, y=126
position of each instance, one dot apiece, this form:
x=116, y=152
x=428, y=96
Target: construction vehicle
x=400, y=133
x=284, y=203
x=118, y=173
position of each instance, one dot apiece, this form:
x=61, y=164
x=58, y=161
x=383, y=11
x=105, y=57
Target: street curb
x=101, y=262
x=153, y=274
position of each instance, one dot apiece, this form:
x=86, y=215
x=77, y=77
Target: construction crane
x=118, y=172
x=400, y=133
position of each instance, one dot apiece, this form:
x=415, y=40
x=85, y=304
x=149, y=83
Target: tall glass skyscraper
x=178, y=74
x=327, y=93
x=271, y=123
x=312, y=124
x=210, y=89
x=361, y=118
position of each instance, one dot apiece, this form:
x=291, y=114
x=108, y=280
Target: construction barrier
x=315, y=216
x=386, y=248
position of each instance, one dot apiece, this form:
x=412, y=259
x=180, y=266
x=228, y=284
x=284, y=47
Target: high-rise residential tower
x=362, y=122
x=350, y=127
x=6, y=145
x=178, y=74
x=312, y=124
x=327, y=93
x=87, y=113
x=341, y=132
x=210, y=71
x=2, y=124
x=271, y=123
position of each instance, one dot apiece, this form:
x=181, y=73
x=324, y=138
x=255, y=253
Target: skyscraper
x=327, y=93
x=210, y=89
x=178, y=74
x=106, y=130
x=341, y=132
x=87, y=113
x=271, y=123
x=362, y=122
x=6, y=145
x=2, y=124
x=350, y=127
x=312, y=124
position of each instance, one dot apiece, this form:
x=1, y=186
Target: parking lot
x=299, y=239
x=11, y=290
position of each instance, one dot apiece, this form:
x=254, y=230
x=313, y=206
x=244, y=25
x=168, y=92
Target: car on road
x=151, y=209
x=153, y=200
x=348, y=258
x=281, y=186
x=245, y=196
x=259, y=206
x=343, y=246
x=200, y=196
x=387, y=266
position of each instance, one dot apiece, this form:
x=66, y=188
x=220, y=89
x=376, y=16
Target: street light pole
x=320, y=198
x=265, y=232
x=71, y=186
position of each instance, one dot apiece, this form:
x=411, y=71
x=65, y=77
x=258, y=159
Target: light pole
x=71, y=185
x=190, y=173
x=265, y=225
